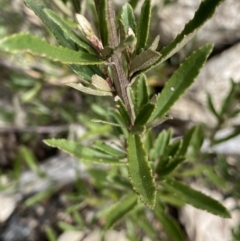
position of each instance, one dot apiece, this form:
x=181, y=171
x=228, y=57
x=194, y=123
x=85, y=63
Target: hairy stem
x=120, y=78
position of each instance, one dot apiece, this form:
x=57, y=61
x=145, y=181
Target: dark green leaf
x=170, y=226
x=195, y=198
x=144, y=114
x=233, y=134
x=67, y=31
x=53, y=27
x=120, y=209
x=180, y=81
x=36, y=46
x=82, y=152
x=141, y=95
x=143, y=26
x=133, y=3
x=122, y=110
x=161, y=144
x=102, y=15
x=140, y=172
x=127, y=17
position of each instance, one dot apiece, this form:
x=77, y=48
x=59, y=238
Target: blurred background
x=47, y=195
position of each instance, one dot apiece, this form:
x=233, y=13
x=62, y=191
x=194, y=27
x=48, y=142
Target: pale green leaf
x=144, y=60
x=143, y=26
x=102, y=146
x=100, y=83
x=140, y=172
x=82, y=152
x=195, y=198
x=127, y=17
x=87, y=90
x=155, y=43
x=180, y=81
x=34, y=45
x=120, y=209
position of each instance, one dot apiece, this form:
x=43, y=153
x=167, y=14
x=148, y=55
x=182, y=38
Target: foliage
x=141, y=167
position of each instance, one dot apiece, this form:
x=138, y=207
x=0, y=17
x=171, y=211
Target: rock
x=8, y=204
x=71, y=235
x=221, y=29
x=203, y=226
x=214, y=78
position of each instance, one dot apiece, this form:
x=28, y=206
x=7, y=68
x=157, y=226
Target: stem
x=120, y=79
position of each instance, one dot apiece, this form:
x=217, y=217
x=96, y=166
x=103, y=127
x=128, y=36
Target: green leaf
x=142, y=95
x=211, y=107
x=233, y=134
x=180, y=81
x=204, y=12
x=82, y=152
x=171, y=166
x=127, y=17
x=37, y=46
x=170, y=226
x=123, y=111
x=143, y=26
x=102, y=146
x=133, y=3
x=195, y=198
x=161, y=143
x=53, y=27
x=85, y=72
x=102, y=15
x=87, y=90
x=120, y=209
x=155, y=43
x=144, y=114
x=140, y=172
x=144, y=60
x=67, y=31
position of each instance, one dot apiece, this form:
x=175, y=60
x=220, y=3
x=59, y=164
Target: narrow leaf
x=68, y=32
x=37, y=46
x=172, y=165
x=102, y=146
x=87, y=90
x=84, y=72
x=53, y=27
x=155, y=43
x=211, y=106
x=142, y=96
x=204, y=12
x=82, y=152
x=122, y=110
x=143, y=26
x=170, y=226
x=144, y=114
x=161, y=144
x=127, y=17
x=144, y=60
x=195, y=198
x=180, y=81
x=140, y=172
x=102, y=15
x=120, y=209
